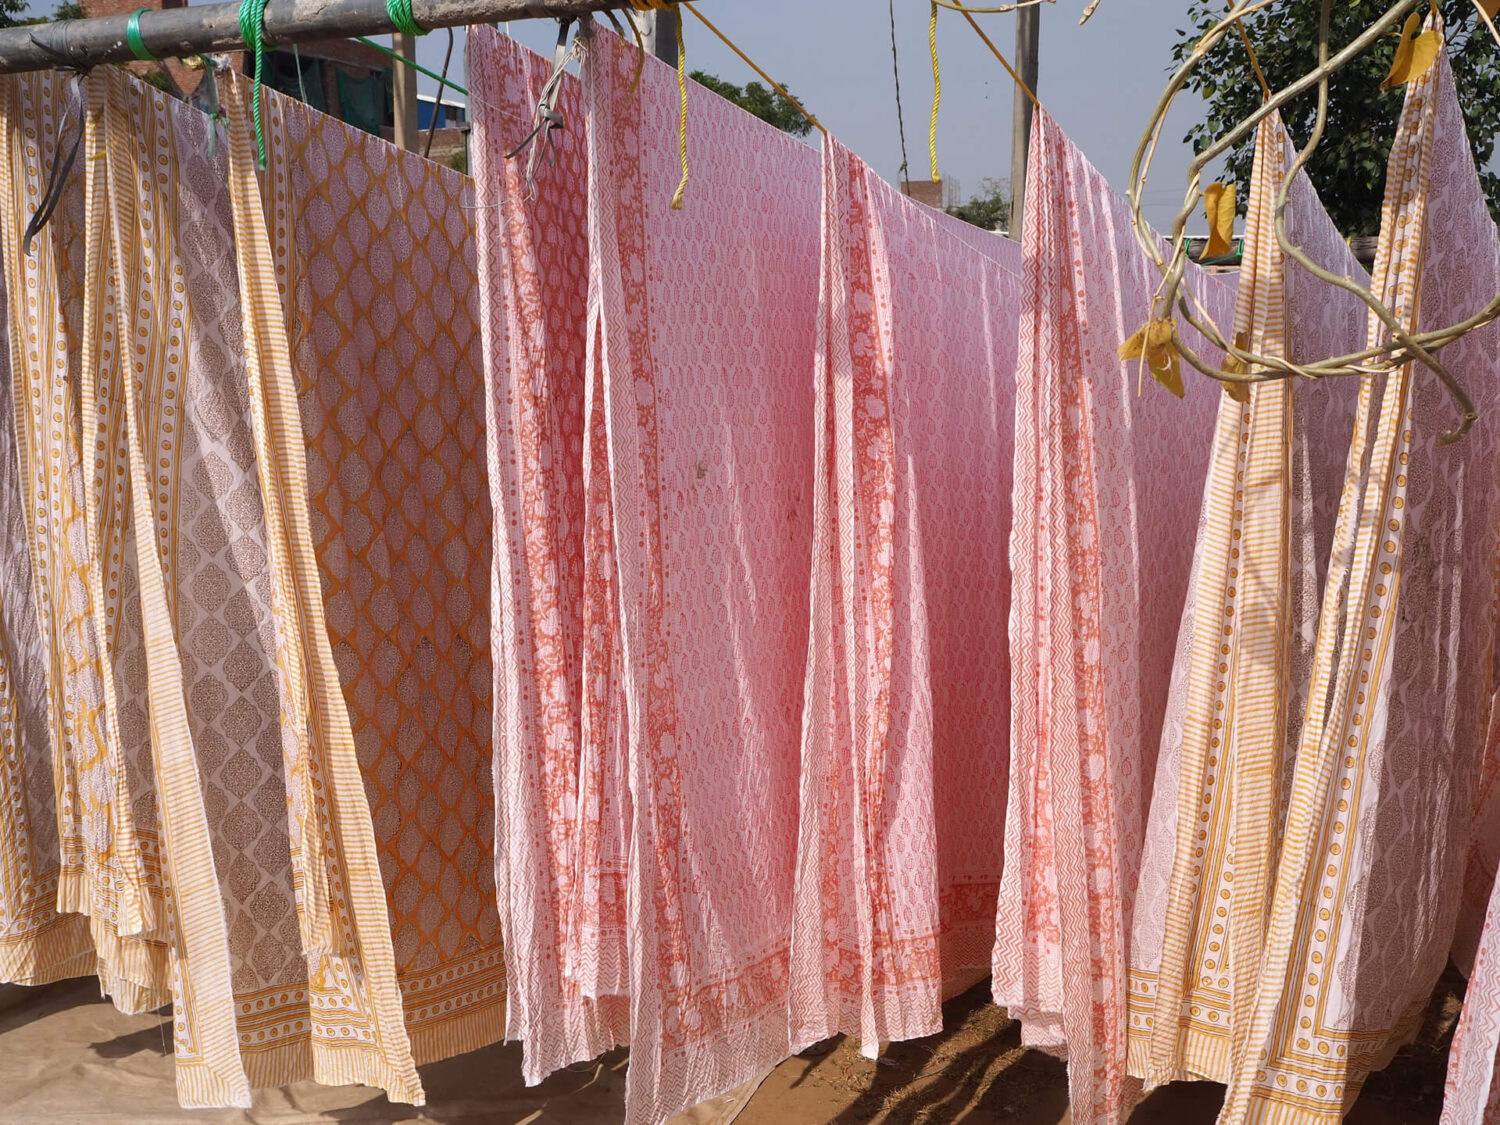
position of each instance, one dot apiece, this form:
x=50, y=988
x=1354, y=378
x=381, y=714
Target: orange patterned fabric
x=377, y=266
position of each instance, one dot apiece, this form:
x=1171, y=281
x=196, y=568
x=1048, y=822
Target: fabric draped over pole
x=906, y=708
x=1106, y=491
x=1367, y=884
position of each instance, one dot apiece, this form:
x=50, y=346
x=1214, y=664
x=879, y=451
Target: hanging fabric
x=176, y=484
x=906, y=707
x=553, y=615
x=705, y=341
x=1484, y=853
x=361, y=305
x=1106, y=489
x=110, y=862
x=38, y=945
x=357, y=1030
x=1245, y=649
x=1367, y=883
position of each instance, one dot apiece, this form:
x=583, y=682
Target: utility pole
x=406, y=133
x=661, y=34
x=1028, y=35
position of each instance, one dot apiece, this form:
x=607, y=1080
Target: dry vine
x=1243, y=366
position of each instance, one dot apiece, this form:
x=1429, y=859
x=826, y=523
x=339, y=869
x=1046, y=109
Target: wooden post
x=661, y=36
x=406, y=133
x=1028, y=36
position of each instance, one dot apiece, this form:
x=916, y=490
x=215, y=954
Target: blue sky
x=1100, y=81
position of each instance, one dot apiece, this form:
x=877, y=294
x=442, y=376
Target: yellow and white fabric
x=110, y=867
x=1367, y=882
x=1245, y=649
x=37, y=944
x=212, y=595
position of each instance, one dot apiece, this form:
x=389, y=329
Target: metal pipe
x=210, y=28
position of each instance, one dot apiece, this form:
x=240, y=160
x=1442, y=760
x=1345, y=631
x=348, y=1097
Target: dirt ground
x=65, y=1056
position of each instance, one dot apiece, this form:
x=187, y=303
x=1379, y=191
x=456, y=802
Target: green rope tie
x=252, y=25
x=402, y=18
x=133, y=37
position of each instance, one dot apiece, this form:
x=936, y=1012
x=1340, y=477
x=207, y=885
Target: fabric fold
x=38, y=945
x=706, y=346
x=110, y=866
x=553, y=614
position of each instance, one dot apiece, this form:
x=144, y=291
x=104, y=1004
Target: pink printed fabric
x=1106, y=485
x=1367, y=883
x=904, y=752
x=1484, y=853
x=705, y=341
x=552, y=614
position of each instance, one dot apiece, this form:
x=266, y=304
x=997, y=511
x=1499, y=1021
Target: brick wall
x=929, y=192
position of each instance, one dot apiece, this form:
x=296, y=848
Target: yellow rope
x=937, y=93
x=640, y=59
x=1254, y=62
x=751, y=64
x=681, y=116
x=682, y=94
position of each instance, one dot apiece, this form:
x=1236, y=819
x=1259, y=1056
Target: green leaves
x=1348, y=168
x=766, y=104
